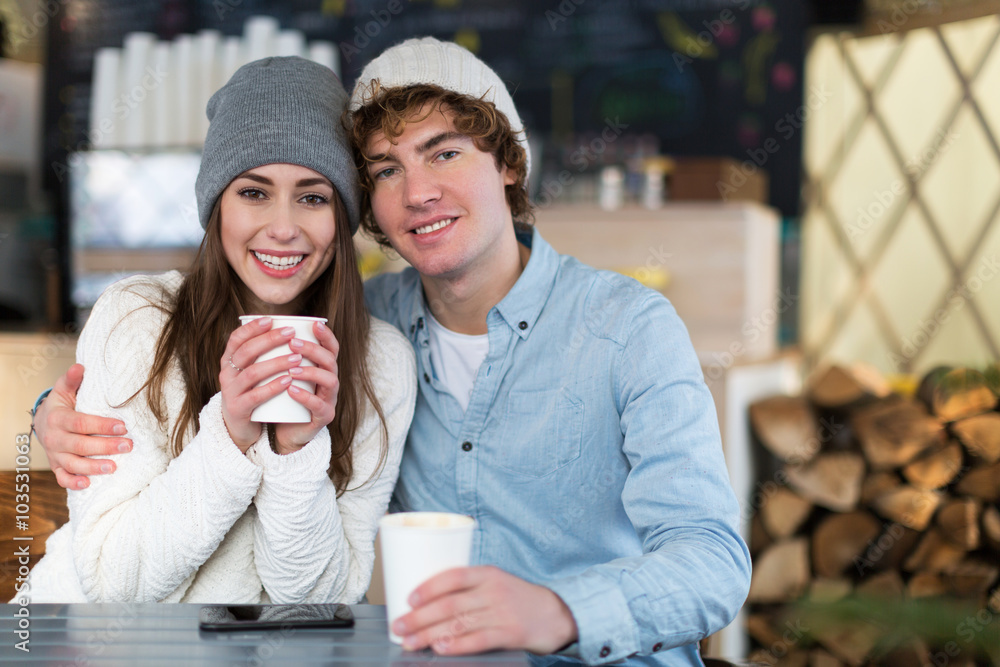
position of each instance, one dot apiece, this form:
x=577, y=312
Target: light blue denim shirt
x=589, y=454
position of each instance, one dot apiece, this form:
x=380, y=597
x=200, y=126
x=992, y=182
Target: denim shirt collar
x=524, y=301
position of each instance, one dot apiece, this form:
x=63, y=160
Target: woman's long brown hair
x=205, y=311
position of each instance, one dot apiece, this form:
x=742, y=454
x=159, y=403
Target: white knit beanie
x=426, y=60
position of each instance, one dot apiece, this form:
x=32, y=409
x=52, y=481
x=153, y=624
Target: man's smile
x=434, y=226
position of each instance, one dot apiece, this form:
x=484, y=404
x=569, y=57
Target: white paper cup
x=415, y=547
x=283, y=409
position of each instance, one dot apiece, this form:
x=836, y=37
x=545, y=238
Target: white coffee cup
x=415, y=547
x=283, y=409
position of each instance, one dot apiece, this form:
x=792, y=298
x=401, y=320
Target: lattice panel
x=901, y=230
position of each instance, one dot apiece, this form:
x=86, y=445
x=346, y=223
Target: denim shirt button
x=420, y=323
x=605, y=651
x=657, y=646
x=427, y=378
x=466, y=446
x=523, y=325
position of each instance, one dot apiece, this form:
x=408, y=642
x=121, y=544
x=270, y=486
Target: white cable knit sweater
x=213, y=525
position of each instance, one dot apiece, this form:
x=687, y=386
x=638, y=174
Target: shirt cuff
x=605, y=628
x=571, y=650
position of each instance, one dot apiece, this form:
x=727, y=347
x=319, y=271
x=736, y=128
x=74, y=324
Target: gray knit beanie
x=277, y=110
x=426, y=60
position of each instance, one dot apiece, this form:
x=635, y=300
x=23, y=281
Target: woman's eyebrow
x=302, y=183
x=257, y=177
x=305, y=182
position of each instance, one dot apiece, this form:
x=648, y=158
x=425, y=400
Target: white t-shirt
x=456, y=358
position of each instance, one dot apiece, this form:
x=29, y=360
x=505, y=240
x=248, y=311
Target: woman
x=210, y=506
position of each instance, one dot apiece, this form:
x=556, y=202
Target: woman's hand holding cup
x=240, y=375
x=322, y=405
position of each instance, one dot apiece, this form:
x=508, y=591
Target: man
x=562, y=407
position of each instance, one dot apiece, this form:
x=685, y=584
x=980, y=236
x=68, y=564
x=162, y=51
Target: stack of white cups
x=152, y=94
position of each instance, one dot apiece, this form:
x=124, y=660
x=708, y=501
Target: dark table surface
x=152, y=634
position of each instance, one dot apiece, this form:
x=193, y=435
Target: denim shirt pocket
x=542, y=431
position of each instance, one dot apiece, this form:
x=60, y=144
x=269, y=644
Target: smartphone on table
x=274, y=616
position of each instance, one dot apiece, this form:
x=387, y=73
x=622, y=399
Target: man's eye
x=384, y=173
x=447, y=155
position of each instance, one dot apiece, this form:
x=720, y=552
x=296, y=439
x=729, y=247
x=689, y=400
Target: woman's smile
x=278, y=266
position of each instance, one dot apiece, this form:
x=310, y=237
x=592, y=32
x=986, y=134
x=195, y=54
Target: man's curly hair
x=387, y=110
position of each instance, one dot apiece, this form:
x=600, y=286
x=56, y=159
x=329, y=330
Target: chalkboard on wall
x=700, y=77
x=707, y=77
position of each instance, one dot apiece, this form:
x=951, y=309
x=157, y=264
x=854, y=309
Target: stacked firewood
x=865, y=493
